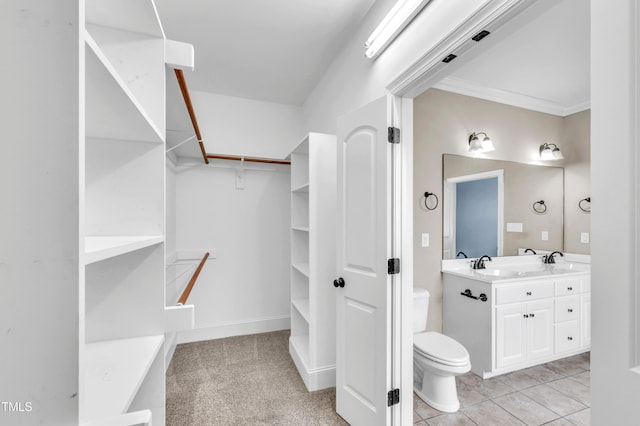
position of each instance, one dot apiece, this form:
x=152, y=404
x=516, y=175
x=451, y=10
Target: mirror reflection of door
x=473, y=215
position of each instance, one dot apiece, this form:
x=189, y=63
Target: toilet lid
x=440, y=348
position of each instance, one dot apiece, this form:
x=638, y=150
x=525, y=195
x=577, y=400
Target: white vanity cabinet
x=523, y=321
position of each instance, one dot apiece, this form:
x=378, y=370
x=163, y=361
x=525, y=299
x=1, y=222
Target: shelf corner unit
x=313, y=210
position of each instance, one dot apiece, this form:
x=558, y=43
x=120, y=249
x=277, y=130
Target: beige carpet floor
x=244, y=380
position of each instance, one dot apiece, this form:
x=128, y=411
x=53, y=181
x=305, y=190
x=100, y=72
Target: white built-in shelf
x=300, y=228
x=101, y=248
x=112, y=110
x=302, y=305
x=303, y=268
x=138, y=16
x=301, y=188
x=113, y=373
x=301, y=345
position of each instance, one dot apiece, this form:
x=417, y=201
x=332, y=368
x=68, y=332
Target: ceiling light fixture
x=393, y=23
x=550, y=154
x=478, y=145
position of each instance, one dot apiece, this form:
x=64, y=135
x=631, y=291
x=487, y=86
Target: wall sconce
x=549, y=154
x=477, y=145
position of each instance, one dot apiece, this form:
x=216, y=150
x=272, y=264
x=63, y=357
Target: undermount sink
x=506, y=273
x=561, y=268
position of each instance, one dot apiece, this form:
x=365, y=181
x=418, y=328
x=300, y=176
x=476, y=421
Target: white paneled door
x=363, y=358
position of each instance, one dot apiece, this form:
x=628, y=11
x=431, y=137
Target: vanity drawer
x=567, y=308
x=524, y=292
x=568, y=287
x=567, y=336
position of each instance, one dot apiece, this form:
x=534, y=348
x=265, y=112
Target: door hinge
x=393, y=266
x=393, y=397
x=394, y=135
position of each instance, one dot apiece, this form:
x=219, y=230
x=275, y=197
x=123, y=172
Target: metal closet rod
x=192, y=281
x=192, y=114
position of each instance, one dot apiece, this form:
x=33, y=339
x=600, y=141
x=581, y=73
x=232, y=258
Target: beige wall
x=443, y=122
x=576, y=147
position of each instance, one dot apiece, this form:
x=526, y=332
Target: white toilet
x=437, y=359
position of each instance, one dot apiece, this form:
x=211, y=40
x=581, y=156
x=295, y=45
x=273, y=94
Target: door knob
x=339, y=282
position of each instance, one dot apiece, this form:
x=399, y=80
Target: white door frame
x=417, y=78
x=499, y=173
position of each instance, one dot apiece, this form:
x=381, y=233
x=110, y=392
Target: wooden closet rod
x=192, y=281
x=192, y=114
x=250, y=159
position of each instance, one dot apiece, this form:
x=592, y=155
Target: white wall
x=39, y=183
x=352, y=80
x=244, y=287
x=245, y=127
x=614, y=220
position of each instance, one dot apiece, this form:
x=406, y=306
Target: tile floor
x=555, y=394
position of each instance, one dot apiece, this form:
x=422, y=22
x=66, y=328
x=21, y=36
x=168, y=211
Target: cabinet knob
x=570, y=310
x=570, y=288
x=532, y=315
x=526, y=316
x=528, y=293
x=569, y=338
x=339, y=282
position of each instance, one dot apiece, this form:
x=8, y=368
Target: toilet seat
x=441, y=349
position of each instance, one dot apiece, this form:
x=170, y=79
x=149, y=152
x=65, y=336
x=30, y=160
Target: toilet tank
x=420, y=309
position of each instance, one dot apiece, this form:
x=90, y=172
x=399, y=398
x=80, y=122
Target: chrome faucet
x=462, y=253
x=549, y=259
x=479, y=263
x=530, y=250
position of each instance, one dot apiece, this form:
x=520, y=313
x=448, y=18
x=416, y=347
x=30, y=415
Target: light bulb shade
x=475, y=145
x=487, y=145
x=557, y=155
x=550, y=152
x=546, y=154
x=393, y=23
x=480, y=142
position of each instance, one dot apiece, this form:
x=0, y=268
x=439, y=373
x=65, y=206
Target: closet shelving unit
x=122, y=211
x=313, y=210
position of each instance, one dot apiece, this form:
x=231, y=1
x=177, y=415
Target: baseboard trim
x=316, y=378
x=235, y=328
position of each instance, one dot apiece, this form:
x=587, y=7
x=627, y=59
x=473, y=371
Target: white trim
x=473, y=89
x=235, y=328
x=316, y=378
x=404, y=236
x=428, y=69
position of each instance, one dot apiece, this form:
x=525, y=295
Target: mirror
x=495, y=207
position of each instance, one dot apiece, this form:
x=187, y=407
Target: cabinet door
x=585, y=320
x=539, y=319
x=510, y=335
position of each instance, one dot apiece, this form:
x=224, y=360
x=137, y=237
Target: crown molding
x=469, y=88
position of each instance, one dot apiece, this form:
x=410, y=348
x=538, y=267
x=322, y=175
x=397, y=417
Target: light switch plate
x=544, y=235
x=425, y=239
x=584, y=237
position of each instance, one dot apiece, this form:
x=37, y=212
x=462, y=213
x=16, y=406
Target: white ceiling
x=273, y=50
x=542, y=65
x=277, y=50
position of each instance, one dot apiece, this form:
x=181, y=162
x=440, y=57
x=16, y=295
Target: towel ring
x=540, y=207
x=585, y=209
x=427, y=195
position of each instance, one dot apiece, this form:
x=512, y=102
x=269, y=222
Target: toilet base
x=440, y=392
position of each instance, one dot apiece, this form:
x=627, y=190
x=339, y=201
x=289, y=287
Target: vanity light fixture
x=393, y=23
x=550, y=154
x=479, y=144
